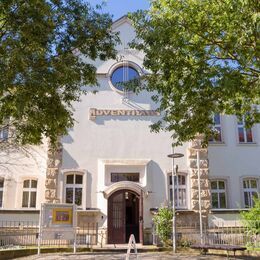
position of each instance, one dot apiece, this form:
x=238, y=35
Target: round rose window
x=122, y=75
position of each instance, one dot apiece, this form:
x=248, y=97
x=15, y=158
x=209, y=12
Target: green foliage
x=203, y=57
x=184, y=242
x=42, y=69
x=251, y=218
x=163, y=223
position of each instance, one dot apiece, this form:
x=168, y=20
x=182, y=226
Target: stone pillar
x=204, y=178
x=53, y=165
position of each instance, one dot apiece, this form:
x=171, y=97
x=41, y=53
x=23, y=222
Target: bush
x=251, y=218
x=163, y=223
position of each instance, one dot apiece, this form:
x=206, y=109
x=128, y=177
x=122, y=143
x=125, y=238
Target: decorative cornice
x=123, y=185
x=133, y=162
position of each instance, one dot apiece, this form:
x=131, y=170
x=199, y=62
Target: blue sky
x=119, y=8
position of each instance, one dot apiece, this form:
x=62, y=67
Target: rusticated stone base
x=53, y=165
x=196, y=148
x=190, y=219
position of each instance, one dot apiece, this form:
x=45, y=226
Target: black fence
x=25, y=234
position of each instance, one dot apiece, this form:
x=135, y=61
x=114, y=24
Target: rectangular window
x=218, y=194
x=216, y=127
x=25, y=199
x=70, y=179
x=180, y=191
x=250, y=190
x=79, y=179
x=33, y=199
x=29, y=193
x=78, y=196
x=1, y=192
x=69, y=195
x=74, y=188
x=133, y=176
x=245, y=135
x=4, y=133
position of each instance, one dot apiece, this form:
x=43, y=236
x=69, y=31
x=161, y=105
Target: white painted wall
x=18, y=164
x=122, y=138
x=233, y=161
x=119, y=138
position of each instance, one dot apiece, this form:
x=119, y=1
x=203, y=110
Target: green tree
x=46, y=48
x=163, y=224
x=203, y=58
x=251, y=218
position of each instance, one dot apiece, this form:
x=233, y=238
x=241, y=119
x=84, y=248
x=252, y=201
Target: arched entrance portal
x=124, y=216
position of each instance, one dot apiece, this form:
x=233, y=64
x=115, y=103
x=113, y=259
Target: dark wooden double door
x=124, y=217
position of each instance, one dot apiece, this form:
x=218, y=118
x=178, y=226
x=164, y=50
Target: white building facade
x=117, y=171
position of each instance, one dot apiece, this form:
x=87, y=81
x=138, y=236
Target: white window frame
x=29, y=190
x=177, y=187
x=4, y=133
x=214, y=126
x=2, y=190
x=250, y=190
x=241, y=124
x=218, y=191
x=83, y=185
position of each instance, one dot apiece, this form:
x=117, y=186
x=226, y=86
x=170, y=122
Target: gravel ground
x=107, y=256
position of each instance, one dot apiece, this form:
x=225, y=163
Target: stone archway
x=125, y=215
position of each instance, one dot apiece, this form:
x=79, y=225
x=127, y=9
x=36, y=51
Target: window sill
x=227, y=210
x=217, y=144
x=180, y=210
x=183, y=210
x=20, y=211
x=247, y=144
x=90, y=211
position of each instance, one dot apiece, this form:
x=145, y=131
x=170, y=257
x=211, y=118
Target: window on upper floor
x=126, y=176
x=29, y=193
x=250, y=190
x=1, y=191
x=216, y=127
x=180, y=193
x=245, y=135
x=74, y=188
x=123, y=74
x=3, y=133
x=218, y=194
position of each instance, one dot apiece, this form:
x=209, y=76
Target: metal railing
x=233, y=233
x=25, y=234
x=217, y=233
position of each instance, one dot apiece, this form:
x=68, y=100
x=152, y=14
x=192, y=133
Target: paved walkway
x=106, y=256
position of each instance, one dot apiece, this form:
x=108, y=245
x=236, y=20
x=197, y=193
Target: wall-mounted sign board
x=93, y=112
x=57, y=221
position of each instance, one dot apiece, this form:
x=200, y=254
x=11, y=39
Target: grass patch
x=254, y=249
